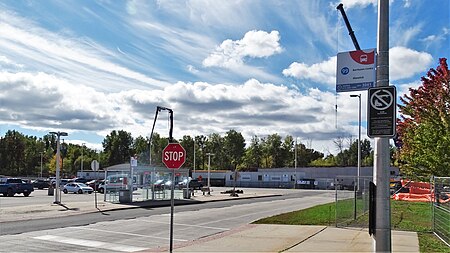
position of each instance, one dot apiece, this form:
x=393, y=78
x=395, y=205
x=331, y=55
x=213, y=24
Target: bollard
x=51, y=190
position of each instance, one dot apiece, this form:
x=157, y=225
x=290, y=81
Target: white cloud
x=255, y=44
x=322, y=72
x=358, y=3
x=406, y=62
x=78, y=59
x=402, y=37
x=436, y=38
x=6, y=61
x=403, y=63
x=406, y=3
x=46, y=102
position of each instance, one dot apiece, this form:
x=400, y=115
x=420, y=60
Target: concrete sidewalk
x=293, y=238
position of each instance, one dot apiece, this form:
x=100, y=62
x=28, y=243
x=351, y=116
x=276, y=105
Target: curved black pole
x=349, y=27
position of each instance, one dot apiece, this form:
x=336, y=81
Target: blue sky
x=259, y=67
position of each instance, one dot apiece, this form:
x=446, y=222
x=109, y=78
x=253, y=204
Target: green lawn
x=406, y=216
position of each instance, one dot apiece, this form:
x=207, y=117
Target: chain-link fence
x=352, y=201
x=441, y=208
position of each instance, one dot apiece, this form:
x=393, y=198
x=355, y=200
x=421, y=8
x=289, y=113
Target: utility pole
x=209, y=169
x=194, y=156
x=382, y=233
x=41, y=161
x=58, y=157
x=82, y=153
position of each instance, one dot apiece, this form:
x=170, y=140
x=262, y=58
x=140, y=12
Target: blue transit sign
x=355, y=70
x=382, y=113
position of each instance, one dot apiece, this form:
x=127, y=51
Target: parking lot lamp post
x=41, y=161
x=209, y=168
x=82, y=150
x=58, y=153
x=359, y=139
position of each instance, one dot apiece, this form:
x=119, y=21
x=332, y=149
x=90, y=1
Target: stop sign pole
x=173, y=156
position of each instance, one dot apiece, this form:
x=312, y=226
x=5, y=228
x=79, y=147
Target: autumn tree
x=423, y=128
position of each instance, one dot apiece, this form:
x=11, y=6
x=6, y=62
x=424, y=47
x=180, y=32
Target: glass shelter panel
x=146, y=183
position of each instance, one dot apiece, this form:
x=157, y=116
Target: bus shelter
x=124, y=183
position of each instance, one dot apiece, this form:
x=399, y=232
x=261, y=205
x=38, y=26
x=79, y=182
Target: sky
x=260, y=67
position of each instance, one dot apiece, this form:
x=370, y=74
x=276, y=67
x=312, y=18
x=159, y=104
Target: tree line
x=21, y=155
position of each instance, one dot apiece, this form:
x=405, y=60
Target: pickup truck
x=11, y=186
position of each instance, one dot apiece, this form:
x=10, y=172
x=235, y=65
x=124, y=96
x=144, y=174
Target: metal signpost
x=173, y=156
x=95, y=166
x=382, y=230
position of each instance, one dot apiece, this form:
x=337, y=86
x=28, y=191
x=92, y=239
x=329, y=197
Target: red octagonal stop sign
x=173, y=156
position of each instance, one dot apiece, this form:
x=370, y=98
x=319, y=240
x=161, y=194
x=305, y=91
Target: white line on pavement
x=131, y=234
x=90, y=243
x=187, y=225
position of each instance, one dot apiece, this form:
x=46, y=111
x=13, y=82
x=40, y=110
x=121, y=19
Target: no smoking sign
x=382, y=118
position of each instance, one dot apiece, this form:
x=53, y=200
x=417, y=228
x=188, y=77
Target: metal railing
x=441, y=208
x=352, y=201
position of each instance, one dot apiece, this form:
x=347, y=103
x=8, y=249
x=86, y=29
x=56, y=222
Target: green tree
x=424, y=126
x=200, y=142
x=188, y=144
x=215, y=145
x=234, y=147
x=272, y=151
x=158, y=144
x=287, y=152
x=118, y=147
x=253, y=155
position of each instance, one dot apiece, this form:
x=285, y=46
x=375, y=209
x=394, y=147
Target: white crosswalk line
x=90, y=243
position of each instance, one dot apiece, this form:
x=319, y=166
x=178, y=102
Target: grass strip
x=405, y=216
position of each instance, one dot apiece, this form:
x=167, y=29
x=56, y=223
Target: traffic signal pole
x=381, y=173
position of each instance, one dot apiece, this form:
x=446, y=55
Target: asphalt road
x=41, y=197
x=146, y=228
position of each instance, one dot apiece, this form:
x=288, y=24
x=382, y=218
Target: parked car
x=11, y=186
x=184, y=183
x=95, y=183
x=161, y=184
x=77, y=188
x=41, y=183
x=79, y=180
x=62, y=182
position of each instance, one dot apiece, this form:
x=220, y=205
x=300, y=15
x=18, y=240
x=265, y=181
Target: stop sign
x=173, y=156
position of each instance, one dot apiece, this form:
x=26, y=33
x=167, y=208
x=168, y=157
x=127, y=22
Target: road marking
x=90, y=243
x=131, y=234
x=187, y=225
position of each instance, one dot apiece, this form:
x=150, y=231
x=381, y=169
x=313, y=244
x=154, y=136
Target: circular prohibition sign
x=381, y=100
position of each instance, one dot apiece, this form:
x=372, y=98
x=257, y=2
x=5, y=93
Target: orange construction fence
x=419, y=192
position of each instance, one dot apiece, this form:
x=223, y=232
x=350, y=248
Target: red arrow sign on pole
x=173, y=156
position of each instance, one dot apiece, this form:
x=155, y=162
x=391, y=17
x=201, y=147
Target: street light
x=209, y=168
x=57, y=194
x=82, y=149
x=41, y=162
x=359, y=138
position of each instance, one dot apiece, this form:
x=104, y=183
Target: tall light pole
x=82, y=151
x=41, y=161
x=359, y=140
x=382, y=235
x=209, y=168
x=194, y=156
x=58, y=153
